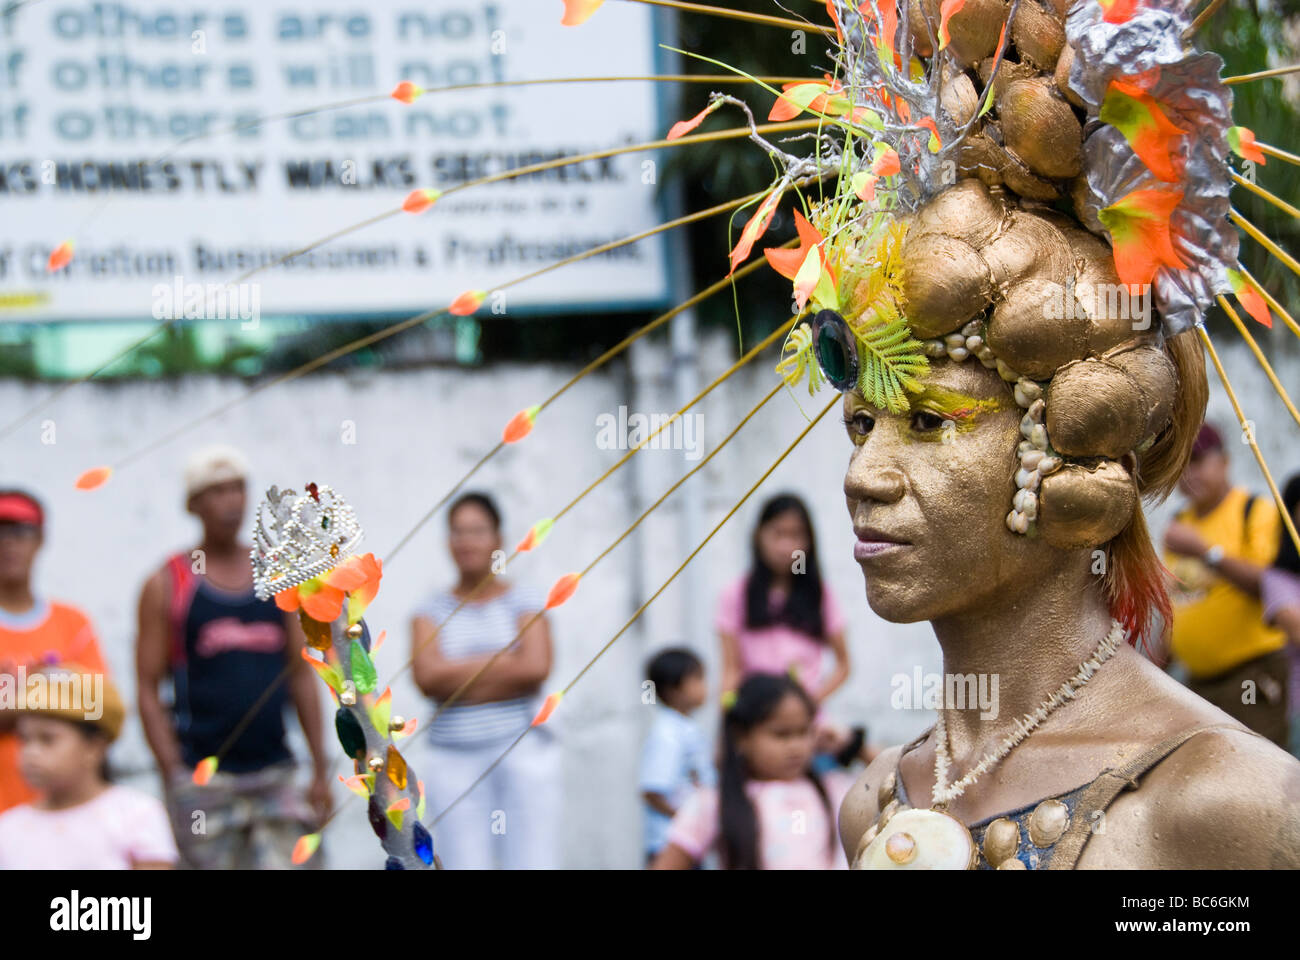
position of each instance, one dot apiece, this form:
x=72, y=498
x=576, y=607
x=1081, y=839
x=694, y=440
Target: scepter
x=303, y=556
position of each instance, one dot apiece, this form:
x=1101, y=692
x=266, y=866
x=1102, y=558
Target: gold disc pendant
x=920, y=840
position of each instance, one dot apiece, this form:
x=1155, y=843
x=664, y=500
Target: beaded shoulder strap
x=1099, y=794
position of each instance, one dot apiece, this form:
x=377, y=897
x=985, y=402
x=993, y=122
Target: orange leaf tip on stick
x=203, y=771
x=307, y=845
x=379, y=642
x=548, y=708
x=539, y=532
x=467, y=302
x=60, y=257
x=1241, y=140
x=577, y=12
x=418, y=201
x=1250, y=298
x=94, y=478
x=683, y=127
x=521, y=424
x=407, y=92
x=562, y=590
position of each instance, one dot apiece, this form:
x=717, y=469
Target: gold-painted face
x=928, y=493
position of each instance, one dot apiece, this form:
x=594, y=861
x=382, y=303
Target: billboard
x=179, y=145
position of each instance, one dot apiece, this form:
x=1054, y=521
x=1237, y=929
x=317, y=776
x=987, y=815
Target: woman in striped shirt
x=511, y=819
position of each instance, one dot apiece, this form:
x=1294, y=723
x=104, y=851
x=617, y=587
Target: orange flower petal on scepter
x=307, y=845
x=407, y=729
x=562, y=590
x=407, y=92
x=577, y=12
x=358, y=577
x=418, y=201
x=467, y=302
x=520, y=425
x=60, y=257
x=1140, y=233
x=94, y=478
x=358, y=783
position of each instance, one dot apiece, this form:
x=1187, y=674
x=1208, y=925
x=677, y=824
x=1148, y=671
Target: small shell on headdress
x=1080, y=506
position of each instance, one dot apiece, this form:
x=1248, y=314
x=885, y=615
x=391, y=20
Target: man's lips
x=873, y=543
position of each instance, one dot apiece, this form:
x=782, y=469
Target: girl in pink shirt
x=79, y=821
x=769, y=810
x=780, y=617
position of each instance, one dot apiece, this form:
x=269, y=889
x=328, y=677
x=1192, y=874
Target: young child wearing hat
x=33, y=629
x=67, y=718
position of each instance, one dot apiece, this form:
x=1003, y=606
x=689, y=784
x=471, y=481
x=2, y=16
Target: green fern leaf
x=891, y=362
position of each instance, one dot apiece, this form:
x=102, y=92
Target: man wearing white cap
x=202, y=628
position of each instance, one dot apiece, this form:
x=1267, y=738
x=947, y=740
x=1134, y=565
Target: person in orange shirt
x=33, y=631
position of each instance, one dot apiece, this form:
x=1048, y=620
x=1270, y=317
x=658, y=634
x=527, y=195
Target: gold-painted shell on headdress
x=1095, y=409
x=966, y=210
x=1034, y=331
x=974, y=29
x=945, y=283
x=1081, y=506
x=1040, y=128
x=1039, y=35
x=1029, y=247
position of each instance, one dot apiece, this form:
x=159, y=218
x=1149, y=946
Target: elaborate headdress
x=1019, y=186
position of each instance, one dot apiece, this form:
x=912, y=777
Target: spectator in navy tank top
x=202, y=628
x=511, y=819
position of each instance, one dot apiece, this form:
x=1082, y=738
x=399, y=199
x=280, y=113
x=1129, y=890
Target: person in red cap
x=1217, y=548
x=34, y=631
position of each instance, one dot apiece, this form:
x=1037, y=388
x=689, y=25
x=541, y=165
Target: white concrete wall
x=416, y=433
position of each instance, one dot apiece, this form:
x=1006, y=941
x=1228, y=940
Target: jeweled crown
x=298, y=537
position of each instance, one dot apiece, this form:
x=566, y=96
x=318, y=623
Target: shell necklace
x=934, y=839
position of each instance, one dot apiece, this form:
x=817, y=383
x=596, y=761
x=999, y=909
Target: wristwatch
x=1213, y=556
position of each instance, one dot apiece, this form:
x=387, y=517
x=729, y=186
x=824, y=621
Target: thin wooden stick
x=1259, y=355
x=1262, y=74
x=1249, y=433
x=1266, y=195
x=1263, y=240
